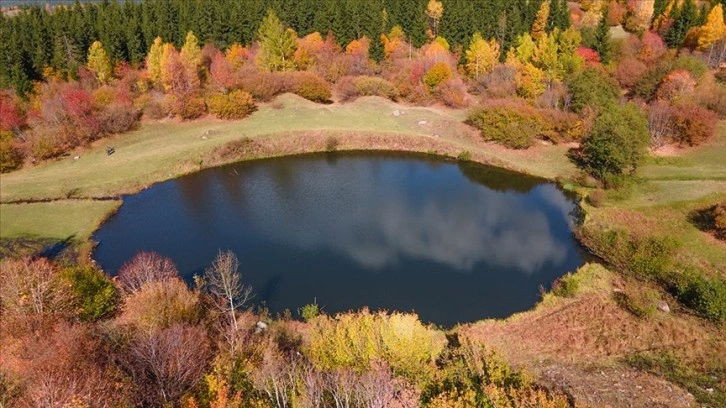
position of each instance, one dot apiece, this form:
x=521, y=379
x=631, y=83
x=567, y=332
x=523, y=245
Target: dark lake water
x=453, y=242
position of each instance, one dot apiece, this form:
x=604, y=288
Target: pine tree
x=98, y=62
x=684, y=18
x=602, y=37
x=277, y=44
x=559, y=15
x=540, y=22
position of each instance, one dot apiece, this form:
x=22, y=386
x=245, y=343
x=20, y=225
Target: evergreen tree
x=602, y=37
x=559, y=16
x=684, y=18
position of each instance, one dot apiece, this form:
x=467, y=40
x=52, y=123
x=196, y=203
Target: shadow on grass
x=37, y=247
x=710, y=220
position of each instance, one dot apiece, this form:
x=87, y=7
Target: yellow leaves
x=307, y=50
x=530, y=81
x=481, y=56
x=153, y=61
x=237, y=55
x=98, y=62
x=437, y=74
x=358, y=340
x=540, y=21
x=435, y=9
x=393, y=42
x=360, y=46
x=191, y=54
x=713, y=30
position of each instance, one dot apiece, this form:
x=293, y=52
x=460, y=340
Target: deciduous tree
x=481, y=56
x=99, y=62
x=277, y=44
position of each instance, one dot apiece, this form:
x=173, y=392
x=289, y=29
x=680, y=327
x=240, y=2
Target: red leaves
x=10, y=116
x=591, y=56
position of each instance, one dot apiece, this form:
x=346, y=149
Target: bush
x=374, y=86
x=309, y=311
x=511, y=123
x=693, y=65
x=566, y=286
x=118, y=118
x=263, y=86
x=235, y=105
x=11, y=157
x=452, y=92
x=693, y=124
x=94, y=294
x=641, y=302
x=159, y=305
x=331, y=144
x=703, y=294
x=711, y=219
x=592, y=87
x=310, y=86
x=189, y=107
x=648, y=83
x=560, y=126
x=437, y=74
x=356, y=340
x=617, y=142
x=500, y=83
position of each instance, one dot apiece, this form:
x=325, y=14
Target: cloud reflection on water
x=316, y=207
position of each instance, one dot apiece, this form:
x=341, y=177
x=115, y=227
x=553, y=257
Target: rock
x=663, y=307
x=397, y=113
x=204, y=138
x=422, y=123
x=260, y=327
x=76, y=157
x=436, y=136
x=710, y=390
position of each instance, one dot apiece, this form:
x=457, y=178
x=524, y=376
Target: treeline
x=73, y=338
x=38, y=38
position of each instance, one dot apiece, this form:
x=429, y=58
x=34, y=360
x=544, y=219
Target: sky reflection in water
x=453, y=242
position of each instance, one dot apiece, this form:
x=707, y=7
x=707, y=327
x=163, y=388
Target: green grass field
x=162, y=150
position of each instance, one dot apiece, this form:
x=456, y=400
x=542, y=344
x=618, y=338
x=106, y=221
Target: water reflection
x=359, y=210
x=452, y=242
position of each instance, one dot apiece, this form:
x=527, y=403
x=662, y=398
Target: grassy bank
x=163, y=150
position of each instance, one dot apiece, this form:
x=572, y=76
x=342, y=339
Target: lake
x=452, y=241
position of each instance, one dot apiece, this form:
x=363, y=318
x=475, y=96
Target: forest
x=615, y=80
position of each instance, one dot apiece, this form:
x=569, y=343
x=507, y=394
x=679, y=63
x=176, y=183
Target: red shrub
x=589, y=55
x=452, y=92
x=263, y=86
x=629, y=71
x=652, y=47
x=693, y=124
x=118, y=118
x=189, y=106
x=11, y=117
x=221, y=72
x=676, y=85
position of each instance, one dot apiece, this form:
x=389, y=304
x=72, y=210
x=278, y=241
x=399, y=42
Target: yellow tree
x=153, y=61
x=434, y=10
x=98, y=62
x=394, y=42
x=236, y=55
x=277, y=44
x=540, y=21
x=191, y=54
x=481, y=56
x=712, y=32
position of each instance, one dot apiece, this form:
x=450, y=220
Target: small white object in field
x=397, y=113
x=76, y=157
x=422, y=123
